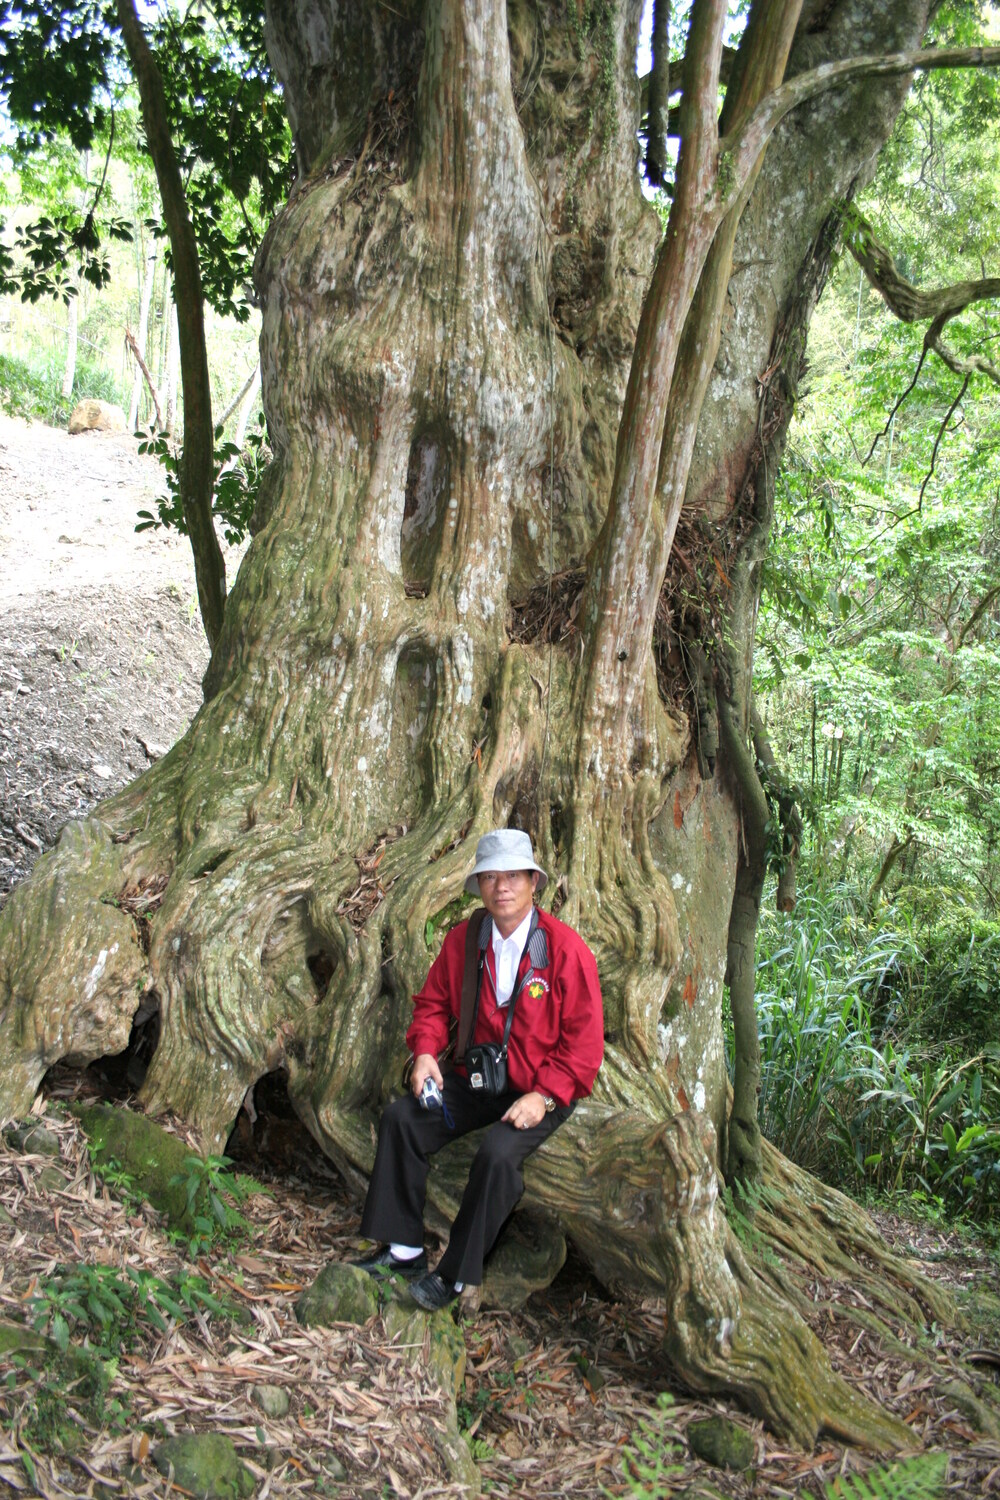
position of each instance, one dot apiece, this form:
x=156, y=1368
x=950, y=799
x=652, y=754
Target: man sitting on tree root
x=524, y=989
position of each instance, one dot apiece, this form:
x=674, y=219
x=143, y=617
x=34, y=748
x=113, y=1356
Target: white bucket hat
x=503, y=849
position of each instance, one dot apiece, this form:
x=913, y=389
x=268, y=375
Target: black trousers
x=409, y=1136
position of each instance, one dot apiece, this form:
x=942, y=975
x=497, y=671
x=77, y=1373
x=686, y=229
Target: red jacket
x=557, y=1036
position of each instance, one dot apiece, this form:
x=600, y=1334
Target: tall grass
x=850, y=1088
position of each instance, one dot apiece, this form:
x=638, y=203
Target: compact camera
x=430, y=1095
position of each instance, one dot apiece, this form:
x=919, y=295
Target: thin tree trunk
x=72, y=326
x=173, y=368
x=197, y=464
x=244, y=399
x=784, y=797
x=141, y=335
x=659, y=95
x=73, y=306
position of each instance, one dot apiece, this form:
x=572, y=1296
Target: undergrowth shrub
x=959, y=988
x=856, y=1085
x=32, y=388
x=113, y=1310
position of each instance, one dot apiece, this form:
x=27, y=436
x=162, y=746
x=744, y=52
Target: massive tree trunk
x=451, y=617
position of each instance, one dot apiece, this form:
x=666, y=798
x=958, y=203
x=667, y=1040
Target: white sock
x=460, y=1286
x=406, y=1252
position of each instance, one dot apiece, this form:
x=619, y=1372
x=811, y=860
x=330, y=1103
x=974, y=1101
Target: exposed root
x=775, y=1365
x=821, y=1229
x=644, y=1211
x=71, y=966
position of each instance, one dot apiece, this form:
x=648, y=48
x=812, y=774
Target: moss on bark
x=443, y=391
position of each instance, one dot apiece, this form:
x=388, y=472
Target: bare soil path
x=101, y=645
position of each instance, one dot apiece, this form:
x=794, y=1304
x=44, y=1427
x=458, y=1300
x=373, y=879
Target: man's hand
x=425, y=1066
x=527, y=1111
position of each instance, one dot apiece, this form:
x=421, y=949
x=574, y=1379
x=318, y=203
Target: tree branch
x=133, y=345
x=972, y=364
x=197, y=466
x=895, y=408
x=937, y=441
x=748, y=141
x=244, y=388
x=911, y=304
x=988, y=598
x=659, y=95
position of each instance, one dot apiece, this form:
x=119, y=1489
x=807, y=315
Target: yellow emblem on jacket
x=537, y=988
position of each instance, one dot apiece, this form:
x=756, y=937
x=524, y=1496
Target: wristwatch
x=549, y=1103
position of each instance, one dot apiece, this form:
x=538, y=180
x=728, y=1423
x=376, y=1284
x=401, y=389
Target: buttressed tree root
x=455, y=333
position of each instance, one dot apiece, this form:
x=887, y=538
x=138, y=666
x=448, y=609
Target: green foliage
x=238, y=477
x=819, y=975
x=742, y=1200
x=957, y=997
x=444, y=920
x=45, y=1391
x=648, y=1461
x=920, y=1477
x=936, y=1130
x=33, y=389
x=212, y=1193
x=879, y=631
x=115, y=1177
x=55, y=69
x=851, y=1086
x=63, y=78
x=114, y=1310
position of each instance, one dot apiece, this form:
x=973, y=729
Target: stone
x=96, y=416
x=721, y=1442
x=528, y=1258
x=206, y=1465
x=431, y=1339
x=340, y=1294
x=148, y=1154
x=52, y=1180
x=15, y=1338
x=273, y=1400
x=90, y=1372
x=33, y=1139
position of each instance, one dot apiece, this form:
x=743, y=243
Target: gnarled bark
x=451, y=301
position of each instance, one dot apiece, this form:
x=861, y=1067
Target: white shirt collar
x=518, y=937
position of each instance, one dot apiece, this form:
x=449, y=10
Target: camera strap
x=483, y=937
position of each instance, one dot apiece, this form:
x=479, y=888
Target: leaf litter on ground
x=554, y=1394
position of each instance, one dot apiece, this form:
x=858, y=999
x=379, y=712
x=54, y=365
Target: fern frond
x=921, y=1477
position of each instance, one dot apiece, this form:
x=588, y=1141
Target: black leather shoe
x=432, y=1292
x=384, y=1263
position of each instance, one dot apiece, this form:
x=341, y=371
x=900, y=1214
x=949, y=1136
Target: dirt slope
x=101, y=645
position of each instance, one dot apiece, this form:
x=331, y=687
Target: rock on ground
x=206, y=1465
x=96, y=416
